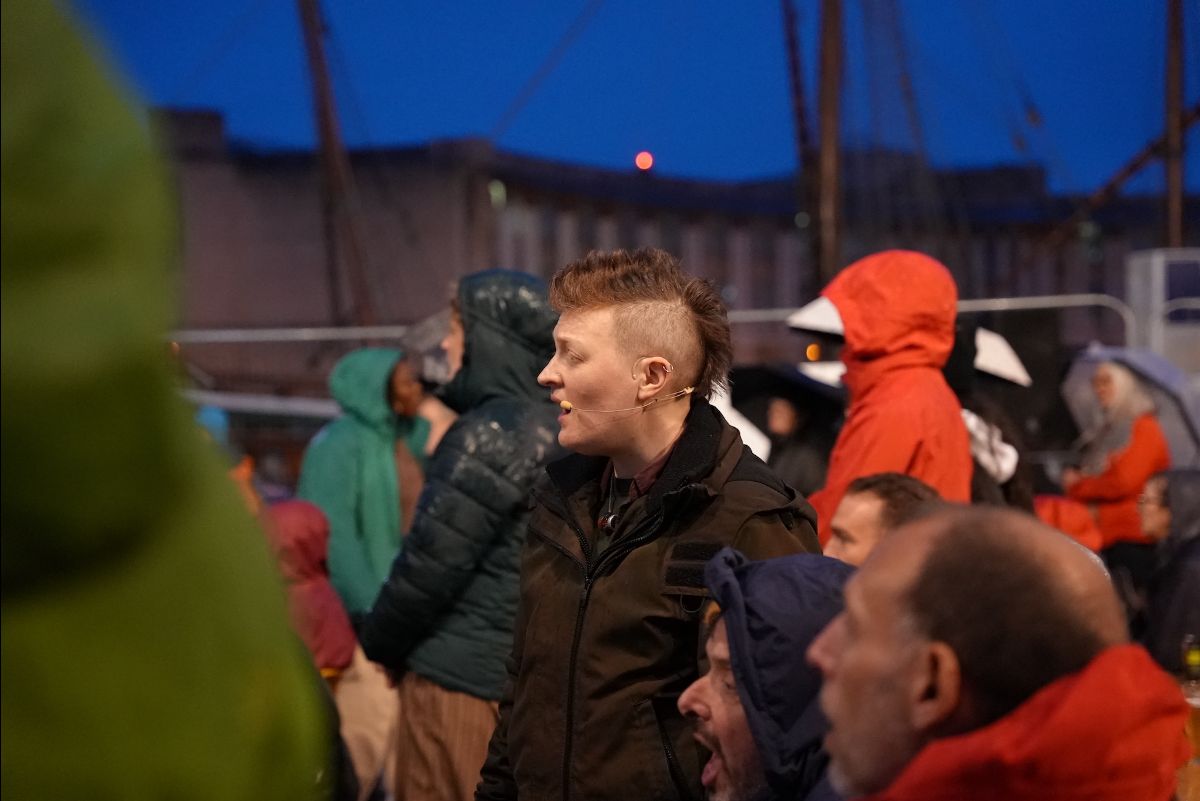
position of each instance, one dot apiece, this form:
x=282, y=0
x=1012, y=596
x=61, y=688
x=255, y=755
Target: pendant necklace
x=608, y=520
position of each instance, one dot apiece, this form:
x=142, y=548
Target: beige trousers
x=442, y=741
x=368, y=708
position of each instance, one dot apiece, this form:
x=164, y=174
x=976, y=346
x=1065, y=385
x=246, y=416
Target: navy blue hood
x=773, y=610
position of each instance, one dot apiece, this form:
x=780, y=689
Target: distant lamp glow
x=813, y=352
x=498, y=193
x=644, y=160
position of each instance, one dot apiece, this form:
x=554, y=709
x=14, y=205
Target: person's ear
x=652, y=373
x=936, y=688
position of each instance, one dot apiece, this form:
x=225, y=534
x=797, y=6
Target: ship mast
x=338, y=195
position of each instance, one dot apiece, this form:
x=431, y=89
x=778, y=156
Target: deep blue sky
x=700, y=83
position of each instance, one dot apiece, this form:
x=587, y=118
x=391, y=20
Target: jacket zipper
x=672, y=763
x=644, y=534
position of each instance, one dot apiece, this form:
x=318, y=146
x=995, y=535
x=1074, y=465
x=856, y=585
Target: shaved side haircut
x=659, y=310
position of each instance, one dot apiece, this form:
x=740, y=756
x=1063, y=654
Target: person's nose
x=822, y=650
x=691, y=703
x=549, y=376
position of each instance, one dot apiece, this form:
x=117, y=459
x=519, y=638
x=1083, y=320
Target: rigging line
x=548, y=66
x=926, y=190
x=1002, y=57
x=986, y=39
x=1191, y=44
x=1030, y=123
x=228, y=38
x=878, y=179
x=938, y=205
x=374, y=169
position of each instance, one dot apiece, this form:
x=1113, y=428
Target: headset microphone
x=568, y=407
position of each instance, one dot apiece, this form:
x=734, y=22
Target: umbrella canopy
x=1176, y=396
x=754, y=385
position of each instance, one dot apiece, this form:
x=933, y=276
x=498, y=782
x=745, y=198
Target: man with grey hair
x=984, y=655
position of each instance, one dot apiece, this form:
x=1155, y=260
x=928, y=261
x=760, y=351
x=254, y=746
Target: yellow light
x=644, y=160
x=813, y=352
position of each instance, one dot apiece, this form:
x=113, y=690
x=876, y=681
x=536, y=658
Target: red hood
x=1112, y=732
x=299, y=535
x=898, y=309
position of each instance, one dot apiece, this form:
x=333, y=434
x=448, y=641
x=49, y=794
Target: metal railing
x=985, y=305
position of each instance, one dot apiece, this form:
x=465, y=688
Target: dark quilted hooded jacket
x=446, y=611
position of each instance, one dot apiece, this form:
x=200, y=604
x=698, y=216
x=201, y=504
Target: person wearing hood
x=983, y=655
x=1117, y=456
x=146, y=652
x=1001, y=474
x=351, y=473
x=444, y=618
x=298, y=534
x=897, y=311
x=756, y=708
x=1170, y=510
x=349, y=469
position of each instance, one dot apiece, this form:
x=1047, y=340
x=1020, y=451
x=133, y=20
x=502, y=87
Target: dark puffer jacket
x=773, y=610
x=446, y=611
x=605, y=643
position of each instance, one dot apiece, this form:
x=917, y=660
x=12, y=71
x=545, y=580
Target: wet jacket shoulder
x=1111, y=732
x=447, y=608
x=605, y=643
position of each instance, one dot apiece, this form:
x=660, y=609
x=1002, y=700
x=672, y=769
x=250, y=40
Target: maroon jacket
x=299, y=536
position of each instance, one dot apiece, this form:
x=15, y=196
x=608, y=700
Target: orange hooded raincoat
x=898, y=309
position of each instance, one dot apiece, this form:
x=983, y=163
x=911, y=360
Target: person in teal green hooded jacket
x=146, y=652
x=349, y=469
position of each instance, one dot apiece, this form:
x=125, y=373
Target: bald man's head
x=1019, y=603
x=953, y=621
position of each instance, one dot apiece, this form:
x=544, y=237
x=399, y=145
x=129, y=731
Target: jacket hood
x=773, y=610
x=509, y=337
x=1183, y=497
x=299, y=535
x=898, y=309
x=1111, y=732
x=360, y=384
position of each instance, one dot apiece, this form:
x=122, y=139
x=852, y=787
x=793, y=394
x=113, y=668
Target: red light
x=644, y=160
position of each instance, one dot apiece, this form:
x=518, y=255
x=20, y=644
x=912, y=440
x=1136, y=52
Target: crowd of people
x=561, y=574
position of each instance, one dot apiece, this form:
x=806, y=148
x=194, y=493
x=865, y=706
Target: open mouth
x=712, y=769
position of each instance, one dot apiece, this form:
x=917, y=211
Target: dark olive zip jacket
x=605, y=644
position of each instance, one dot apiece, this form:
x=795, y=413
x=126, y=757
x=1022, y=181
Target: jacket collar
x=1111, y=732
x=695, y=456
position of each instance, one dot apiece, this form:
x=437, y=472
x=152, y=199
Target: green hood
x=360, y=384
x=509, y=332
x=146, y=651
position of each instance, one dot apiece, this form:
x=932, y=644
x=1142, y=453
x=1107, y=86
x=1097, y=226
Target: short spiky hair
x=659, y=310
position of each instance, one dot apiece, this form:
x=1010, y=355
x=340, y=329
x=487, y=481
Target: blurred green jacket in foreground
x=145, y=647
